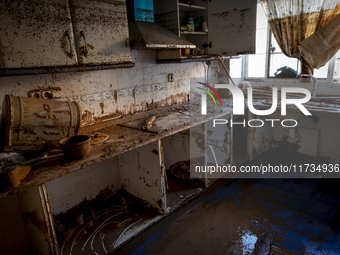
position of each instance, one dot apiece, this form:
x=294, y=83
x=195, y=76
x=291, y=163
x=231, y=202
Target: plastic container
x=204, y=25
x=191, y=25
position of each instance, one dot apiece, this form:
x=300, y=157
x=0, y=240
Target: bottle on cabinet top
x=190, y=25
x=204, y=25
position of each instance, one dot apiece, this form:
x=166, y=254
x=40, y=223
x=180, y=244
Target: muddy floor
x=253, y=216
x=303, y=216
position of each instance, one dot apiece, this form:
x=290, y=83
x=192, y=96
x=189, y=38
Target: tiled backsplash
x=129, y=92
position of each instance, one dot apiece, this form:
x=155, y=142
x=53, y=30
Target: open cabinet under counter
x=125, y=185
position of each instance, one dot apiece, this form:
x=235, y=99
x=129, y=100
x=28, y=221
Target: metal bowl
x=76, y=147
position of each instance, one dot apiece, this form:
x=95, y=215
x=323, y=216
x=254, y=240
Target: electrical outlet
x=170, y=77
x=46, y=93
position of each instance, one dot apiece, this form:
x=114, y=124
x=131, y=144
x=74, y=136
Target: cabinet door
x=166, y=15
x=101, y=31
x=232, y=26
x=36, y=33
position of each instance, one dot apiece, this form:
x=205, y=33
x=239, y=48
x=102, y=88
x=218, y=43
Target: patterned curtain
x=293, y=21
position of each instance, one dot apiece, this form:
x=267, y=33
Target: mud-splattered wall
x=102, y=180
x=122, y=91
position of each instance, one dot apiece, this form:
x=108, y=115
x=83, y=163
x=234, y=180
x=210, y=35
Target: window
x=281, y=66
x=256, y=64
x=270, y=62
x=336, y=77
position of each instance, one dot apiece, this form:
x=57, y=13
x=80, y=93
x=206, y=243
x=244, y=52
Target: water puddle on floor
x=248, y=241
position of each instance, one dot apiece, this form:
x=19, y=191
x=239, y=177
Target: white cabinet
x=62, y=33
x=101, y=31
x=36, y=33
x=231, y=24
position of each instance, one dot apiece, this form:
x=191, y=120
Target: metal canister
x=31, y=124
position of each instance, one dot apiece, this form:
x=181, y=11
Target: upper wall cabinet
x=101, y=31
x=231, y=24
x=38, y=36
x=232, y=27
x=35, y=33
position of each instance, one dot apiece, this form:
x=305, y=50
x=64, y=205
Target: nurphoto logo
x=239, y=104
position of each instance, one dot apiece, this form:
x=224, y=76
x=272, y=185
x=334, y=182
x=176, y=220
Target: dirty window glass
x=236, y=67
x=281, y=66
x=321, y=72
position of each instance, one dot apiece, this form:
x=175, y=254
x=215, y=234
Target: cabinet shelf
x=193, y=33
x=190, y=8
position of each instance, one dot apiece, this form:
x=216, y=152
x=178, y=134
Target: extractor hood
x=145, y=34
x=148, y=35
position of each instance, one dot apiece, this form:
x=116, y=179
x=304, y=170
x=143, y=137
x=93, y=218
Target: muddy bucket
x=76, y=147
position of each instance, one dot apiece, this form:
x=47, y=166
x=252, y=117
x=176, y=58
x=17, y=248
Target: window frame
x=266, y=79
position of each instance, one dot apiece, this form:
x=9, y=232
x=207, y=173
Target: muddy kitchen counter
x=125, y=134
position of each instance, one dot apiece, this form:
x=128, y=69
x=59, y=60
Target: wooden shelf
x=122, y=139
x=190, y=8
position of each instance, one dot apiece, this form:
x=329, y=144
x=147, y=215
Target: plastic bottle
x=191, y=24
x=204, y=25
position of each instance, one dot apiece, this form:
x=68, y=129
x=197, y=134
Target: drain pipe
x=244, y=83
x=315, y=82
x=206, y=157
x=207, y=77
x=225, y=69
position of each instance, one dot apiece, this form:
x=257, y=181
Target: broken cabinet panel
x=232, y=27
x=101, y=31
x=25, y=224
x=177, y=160
x=36, y=34
x=39, y=221
x=142, y=174
x=12, y=227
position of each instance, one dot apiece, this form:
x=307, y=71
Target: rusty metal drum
x=31, y=124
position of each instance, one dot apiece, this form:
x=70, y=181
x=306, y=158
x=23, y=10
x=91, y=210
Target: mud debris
x=263, y=245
